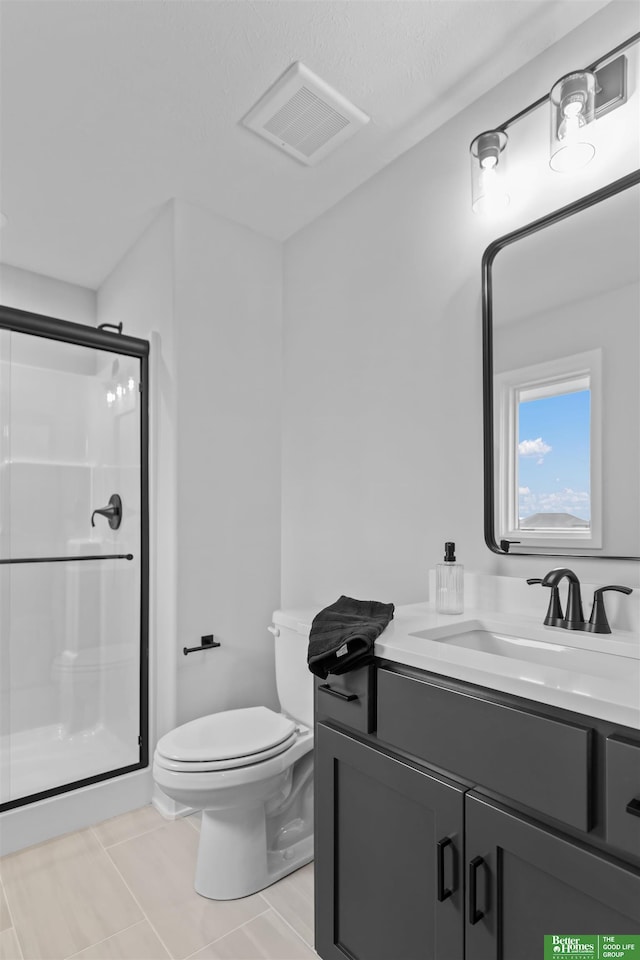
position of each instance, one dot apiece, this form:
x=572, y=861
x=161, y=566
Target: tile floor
x=123, y=890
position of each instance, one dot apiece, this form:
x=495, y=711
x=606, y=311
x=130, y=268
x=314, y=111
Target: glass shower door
x=72, y=502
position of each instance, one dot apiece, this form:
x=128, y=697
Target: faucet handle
x=598, y=622
x=554, y=616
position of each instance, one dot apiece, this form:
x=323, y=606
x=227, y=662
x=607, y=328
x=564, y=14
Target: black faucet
x=574, y=618
x=598, y=622
x=555, y=616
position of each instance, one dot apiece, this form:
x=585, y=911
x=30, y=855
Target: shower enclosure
x=73, y=556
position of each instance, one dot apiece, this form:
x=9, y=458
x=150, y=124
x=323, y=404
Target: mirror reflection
x=565, y=310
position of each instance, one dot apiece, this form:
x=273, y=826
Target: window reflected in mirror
x=554, y=465
x=547, y=463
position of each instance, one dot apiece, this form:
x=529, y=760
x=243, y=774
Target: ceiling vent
x=304, y=116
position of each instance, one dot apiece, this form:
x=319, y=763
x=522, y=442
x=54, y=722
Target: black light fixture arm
x=503, y=127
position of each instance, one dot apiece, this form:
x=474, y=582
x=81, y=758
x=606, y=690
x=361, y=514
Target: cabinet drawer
x=348, y=699
x=623, y=794
x=543, y=763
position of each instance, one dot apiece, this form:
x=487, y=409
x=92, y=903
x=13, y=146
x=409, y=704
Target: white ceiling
x=111, y=107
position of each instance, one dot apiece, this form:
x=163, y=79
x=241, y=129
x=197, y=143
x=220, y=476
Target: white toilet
x=250, y=771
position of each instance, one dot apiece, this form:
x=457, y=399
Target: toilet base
x=233, y=859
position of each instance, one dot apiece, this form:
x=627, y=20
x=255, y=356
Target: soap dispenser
x=449, y=582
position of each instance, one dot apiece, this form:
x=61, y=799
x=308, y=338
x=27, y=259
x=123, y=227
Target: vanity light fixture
x=572, y=101
x=576, y=100
x=488, y=171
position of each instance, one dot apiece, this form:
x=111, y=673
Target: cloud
x=534, y=448
x=523, y=491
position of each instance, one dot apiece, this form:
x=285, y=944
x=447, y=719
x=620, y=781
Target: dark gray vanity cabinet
x=524, y=881
x=459, y=823
x=388, y=859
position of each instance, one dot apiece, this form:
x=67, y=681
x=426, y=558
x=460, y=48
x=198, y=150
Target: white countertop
x=594, y=674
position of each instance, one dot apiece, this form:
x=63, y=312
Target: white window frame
x=581, y=371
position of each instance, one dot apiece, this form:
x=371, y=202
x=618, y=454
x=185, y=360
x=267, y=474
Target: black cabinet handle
x=633, y=807
x=443, y=892
x=474, y=913
x=338, y=693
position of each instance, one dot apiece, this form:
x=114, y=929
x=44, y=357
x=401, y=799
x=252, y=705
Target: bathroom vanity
x=461, y=820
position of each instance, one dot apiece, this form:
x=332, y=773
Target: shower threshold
x=43, y=758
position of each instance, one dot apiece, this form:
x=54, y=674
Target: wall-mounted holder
x=110, y=326
x=505, y=544
x=207, y=643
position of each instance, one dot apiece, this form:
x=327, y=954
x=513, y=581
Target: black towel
x=342, y=635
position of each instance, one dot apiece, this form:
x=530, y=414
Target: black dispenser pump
x=449, y=552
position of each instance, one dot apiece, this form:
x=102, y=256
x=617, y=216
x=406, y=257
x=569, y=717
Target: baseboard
x=168, y=808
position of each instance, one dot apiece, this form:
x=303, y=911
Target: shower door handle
x=113, y=512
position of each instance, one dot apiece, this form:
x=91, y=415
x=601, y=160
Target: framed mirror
x=561, y=384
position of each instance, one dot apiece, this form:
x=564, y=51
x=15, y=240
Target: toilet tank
x=293, y=677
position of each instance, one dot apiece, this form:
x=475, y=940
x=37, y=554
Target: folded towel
x=342, y=635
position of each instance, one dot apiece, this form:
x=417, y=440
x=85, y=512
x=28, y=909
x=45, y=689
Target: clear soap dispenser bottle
x=449, y=582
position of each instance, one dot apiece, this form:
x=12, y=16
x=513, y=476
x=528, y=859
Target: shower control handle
x=113, y=512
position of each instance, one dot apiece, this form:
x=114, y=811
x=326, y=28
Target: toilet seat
x=226, y=740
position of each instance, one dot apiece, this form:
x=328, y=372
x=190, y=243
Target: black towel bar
x=104, y=556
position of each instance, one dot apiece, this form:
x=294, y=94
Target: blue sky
x=553, y=461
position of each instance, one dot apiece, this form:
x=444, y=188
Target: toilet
x=250, y=771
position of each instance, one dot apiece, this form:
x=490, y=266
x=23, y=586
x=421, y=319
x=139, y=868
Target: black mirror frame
x=503, y=548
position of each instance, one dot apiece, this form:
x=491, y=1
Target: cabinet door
x=388, y=856
x=524, y=881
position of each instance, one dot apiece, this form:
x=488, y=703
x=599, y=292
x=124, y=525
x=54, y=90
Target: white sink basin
x=546, y=653
x=531, y=654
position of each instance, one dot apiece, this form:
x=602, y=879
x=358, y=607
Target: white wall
x=382, y=404
x=228, y=333
x=39, y=294
x=139, y=292
x=210, y=291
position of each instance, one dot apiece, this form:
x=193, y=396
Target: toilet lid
x=227, y=735
x=210, y=766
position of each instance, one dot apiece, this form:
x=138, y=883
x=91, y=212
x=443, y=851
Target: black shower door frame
x=52, y=328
